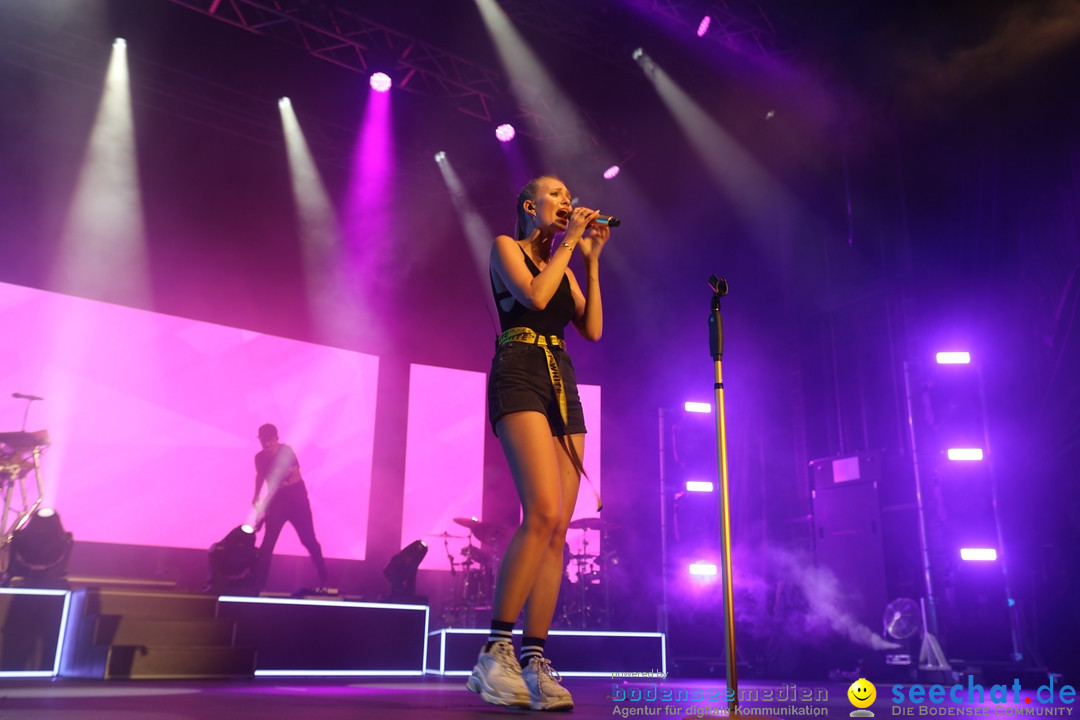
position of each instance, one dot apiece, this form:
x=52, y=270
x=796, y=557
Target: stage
x=155, y=655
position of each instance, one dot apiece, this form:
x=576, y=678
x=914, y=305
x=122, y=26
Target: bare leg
x=540, y=606
x=535, y=464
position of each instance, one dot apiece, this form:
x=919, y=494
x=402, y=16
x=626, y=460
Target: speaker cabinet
x=850, y=556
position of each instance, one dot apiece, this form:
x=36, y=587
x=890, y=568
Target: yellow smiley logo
x=862, y=693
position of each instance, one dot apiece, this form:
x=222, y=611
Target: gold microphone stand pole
x=716, y=345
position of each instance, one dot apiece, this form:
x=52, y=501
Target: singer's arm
x=532, y=292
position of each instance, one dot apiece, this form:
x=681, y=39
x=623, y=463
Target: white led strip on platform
x=59, y=639
x=338, y=603
x=583, y=633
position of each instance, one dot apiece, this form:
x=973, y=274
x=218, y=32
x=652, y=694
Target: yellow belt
x=531, y=337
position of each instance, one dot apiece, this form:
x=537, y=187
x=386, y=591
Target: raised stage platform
x=123, y=633
x=580, y=653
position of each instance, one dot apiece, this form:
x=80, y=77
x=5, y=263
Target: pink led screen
x=444, y=458
x=588, y=541
x=444, y=466
x=153, y=418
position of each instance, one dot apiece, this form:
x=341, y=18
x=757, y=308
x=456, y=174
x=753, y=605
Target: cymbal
x=448, y=535
x=486, y=532
x=590, y=523
x=467, y=522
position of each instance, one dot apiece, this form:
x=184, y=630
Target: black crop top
x=549, y=321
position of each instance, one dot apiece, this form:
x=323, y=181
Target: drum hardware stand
x=473, y=576
x=14, y=468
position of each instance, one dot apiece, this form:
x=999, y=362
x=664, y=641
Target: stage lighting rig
x=38, y=552
x=232, y=562
x=401, y=572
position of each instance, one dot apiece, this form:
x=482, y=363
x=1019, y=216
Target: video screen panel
x=444, y=459
x=152, y=421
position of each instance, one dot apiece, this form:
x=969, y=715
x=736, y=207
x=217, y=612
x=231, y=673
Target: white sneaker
x=497, y=677
x=545, y=692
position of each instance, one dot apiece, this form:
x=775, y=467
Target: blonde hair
x=527, y=193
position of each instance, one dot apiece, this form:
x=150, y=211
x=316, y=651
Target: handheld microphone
x=20, y=396
x=602, y=220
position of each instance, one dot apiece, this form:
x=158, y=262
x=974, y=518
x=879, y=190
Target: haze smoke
x=799, y=600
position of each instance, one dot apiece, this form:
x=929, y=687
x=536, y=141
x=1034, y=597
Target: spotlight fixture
x=440, y=156
x=232, y=562
x=284, y=102
x=697, y=407
x=703, y=26
x=611, y=172
x=119, y=43
x=39, y=551
x=401, y=570
x=380, y=82
x=964, y=454
x=638, y=53
x=978, y=554
x=505, y=132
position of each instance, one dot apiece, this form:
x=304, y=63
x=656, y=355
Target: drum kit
x=473, y=571
x=584, y=598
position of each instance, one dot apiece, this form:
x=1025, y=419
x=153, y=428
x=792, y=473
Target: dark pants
x=290, y=505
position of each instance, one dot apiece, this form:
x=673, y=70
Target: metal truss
x=591, y=34
x=82, y=62
x=339, y=35
x=344, y=38
x=735, y=31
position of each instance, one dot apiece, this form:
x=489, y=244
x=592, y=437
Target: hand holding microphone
x=599, y=220
x=594, y=235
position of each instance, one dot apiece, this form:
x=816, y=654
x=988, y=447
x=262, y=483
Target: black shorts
x=519, y=381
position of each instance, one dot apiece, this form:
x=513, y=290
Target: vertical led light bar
x=953, y=358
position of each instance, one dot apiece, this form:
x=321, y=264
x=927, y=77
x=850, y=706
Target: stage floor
x=432, y=698
x=435, y=698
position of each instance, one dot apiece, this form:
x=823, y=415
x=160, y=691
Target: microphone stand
x=716, y=346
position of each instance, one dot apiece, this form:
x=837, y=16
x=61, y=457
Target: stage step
x=122, y=630
x=127, y=662
x=148, y=604
x=132, y=634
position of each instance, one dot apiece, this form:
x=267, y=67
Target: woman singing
x=534, y=409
